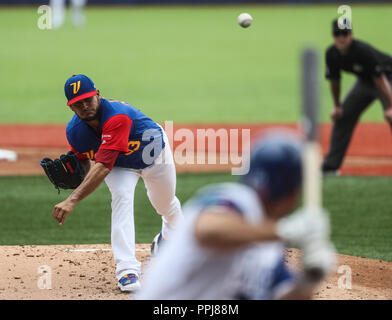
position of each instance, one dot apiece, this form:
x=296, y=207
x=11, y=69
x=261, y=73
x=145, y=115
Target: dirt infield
x=370, y=151
x=86, y=272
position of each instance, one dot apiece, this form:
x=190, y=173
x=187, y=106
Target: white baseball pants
x=160, y=182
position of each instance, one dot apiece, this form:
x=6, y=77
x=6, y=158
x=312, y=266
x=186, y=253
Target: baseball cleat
x=156, y=243
x=129, y=283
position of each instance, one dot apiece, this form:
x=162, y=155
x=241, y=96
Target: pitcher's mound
x=78, y=272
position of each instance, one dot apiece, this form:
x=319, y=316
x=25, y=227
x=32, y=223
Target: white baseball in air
x=245, y=20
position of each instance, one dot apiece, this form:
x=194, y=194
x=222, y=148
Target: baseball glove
x=64, y=173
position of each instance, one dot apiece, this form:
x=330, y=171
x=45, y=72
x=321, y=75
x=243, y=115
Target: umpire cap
x=275, y=168
x=346, y=28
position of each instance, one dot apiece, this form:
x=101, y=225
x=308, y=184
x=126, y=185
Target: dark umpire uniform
x=373, y=69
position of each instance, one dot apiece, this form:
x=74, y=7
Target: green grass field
x=187, y=64
x=360, y=226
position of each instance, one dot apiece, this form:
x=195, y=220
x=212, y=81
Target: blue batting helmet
x=275, y=168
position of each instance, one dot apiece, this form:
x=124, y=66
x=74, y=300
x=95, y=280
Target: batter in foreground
x=231, y=243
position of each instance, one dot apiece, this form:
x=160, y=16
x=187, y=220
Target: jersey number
x=132, y=147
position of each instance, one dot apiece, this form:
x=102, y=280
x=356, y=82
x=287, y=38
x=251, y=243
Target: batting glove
x=304, y=226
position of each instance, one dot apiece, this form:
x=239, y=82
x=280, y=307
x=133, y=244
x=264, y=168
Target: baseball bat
x=310, y=118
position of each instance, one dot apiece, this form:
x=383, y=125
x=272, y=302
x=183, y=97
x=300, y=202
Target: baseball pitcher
x=125, y=145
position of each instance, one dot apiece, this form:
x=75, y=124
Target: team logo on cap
x=76, y=87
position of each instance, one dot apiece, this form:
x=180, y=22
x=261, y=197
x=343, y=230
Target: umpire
x=373, y=69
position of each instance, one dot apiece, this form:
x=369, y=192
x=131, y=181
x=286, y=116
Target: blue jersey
x=145, y=138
